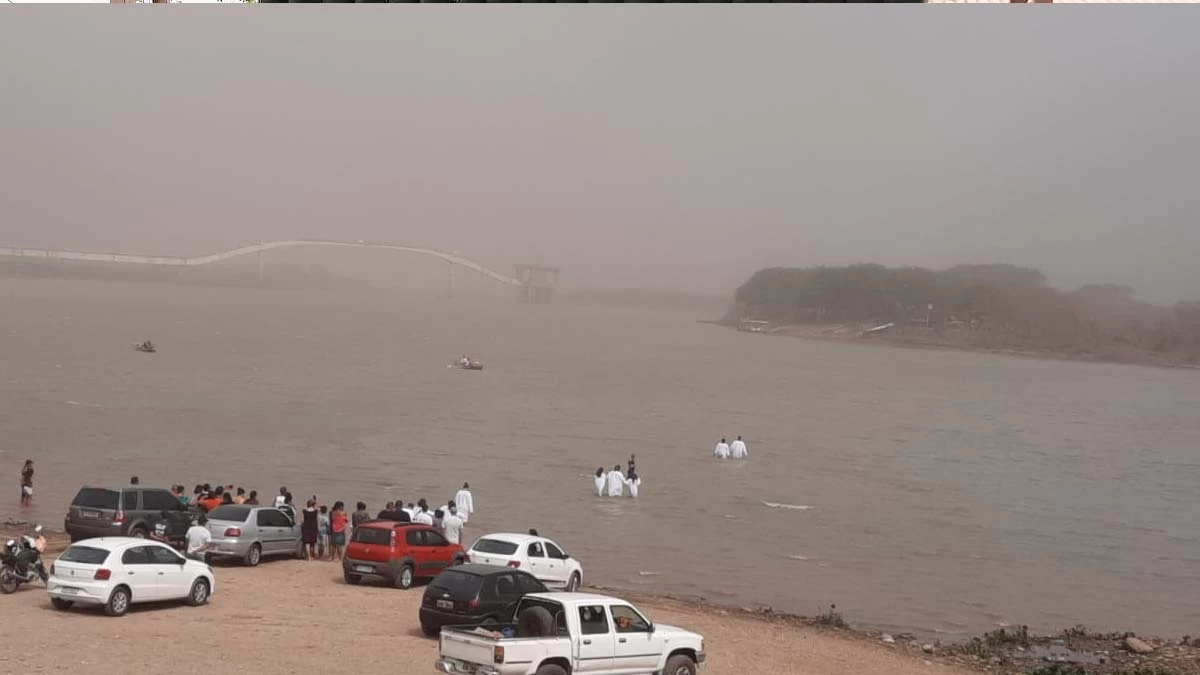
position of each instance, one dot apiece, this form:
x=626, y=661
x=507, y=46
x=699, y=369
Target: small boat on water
x=147, y=347
x=467, y=364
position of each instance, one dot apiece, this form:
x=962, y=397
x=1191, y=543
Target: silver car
x=252, y=532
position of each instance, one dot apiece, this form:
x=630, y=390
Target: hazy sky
x=635, y=146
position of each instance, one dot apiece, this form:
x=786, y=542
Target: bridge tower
x=537, y=283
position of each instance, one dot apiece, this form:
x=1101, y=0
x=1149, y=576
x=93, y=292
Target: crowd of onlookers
x=324, y=529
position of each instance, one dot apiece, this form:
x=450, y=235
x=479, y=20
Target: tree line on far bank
x=1006, y=303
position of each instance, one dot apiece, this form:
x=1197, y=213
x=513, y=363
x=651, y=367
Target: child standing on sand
x=323, y=550
x=338, y=520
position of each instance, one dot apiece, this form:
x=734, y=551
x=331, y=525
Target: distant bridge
x=535, y=282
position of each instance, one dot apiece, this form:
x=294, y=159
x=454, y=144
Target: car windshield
x=96, y=498
x=457, y=584
x=236, y=514
x=372, y=535
x=494, y=546
x=87, y=555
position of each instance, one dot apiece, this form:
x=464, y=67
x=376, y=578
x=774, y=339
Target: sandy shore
x=292, y=616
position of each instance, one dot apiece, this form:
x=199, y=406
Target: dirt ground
x=293, y=616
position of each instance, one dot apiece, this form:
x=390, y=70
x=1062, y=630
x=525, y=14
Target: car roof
x=116, y=543
x=118, y=488
x=513, y=538
x=391, y=524
x=480, y=570
x=574, y=598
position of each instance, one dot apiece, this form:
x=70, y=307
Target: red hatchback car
x=398, y=553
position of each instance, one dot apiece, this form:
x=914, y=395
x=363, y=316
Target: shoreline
x=1006, y=651
x=907, y=338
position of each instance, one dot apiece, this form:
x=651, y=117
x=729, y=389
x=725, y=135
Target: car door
x=273, y=529
x=414, y=539
x=596, y=644
x=637, y=648
x=506, y=591
x=172, y=580
x=439, y=551
x=139, y=574
x=535, y=552
x=556, y=567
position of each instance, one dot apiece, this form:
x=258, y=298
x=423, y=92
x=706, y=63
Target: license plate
x=68, y=591
x=89, y=514
x=364, y=568
x=445, y=604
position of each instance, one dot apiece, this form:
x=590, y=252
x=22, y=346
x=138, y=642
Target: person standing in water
x=633, y=481
x=601, y=482
x=632, y=465
x=27, y=483
x=616, y=482
x=465, y=502
x=738, y=449
x=722, y=450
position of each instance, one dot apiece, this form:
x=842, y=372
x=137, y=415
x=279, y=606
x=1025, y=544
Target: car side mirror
x=651, y=626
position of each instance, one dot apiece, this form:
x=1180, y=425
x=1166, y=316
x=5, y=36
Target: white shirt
x=423, y=517
x=465, y=504
x=721, y=451
x=738, y=448
x=452, y=528
x=197, y=538
x=616, y=484
x=633, y=484
x=600, y=483
x=280, y=500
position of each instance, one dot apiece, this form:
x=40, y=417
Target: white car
x=537, y=555
x=115, y=572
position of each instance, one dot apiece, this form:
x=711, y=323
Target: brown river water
x=931, y=491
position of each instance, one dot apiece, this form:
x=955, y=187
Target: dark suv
x=127, y=511
x=472, y=594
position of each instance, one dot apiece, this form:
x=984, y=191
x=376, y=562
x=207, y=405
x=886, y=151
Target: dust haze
x=637, y=147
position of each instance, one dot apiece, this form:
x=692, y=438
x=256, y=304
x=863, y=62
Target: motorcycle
x=21, y=562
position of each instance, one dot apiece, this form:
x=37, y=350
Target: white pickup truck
x=569, y=633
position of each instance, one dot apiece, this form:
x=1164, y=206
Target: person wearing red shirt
x=338, y=522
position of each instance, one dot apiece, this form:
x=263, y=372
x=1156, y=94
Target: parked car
x=560, y=633
x=398, y=553
x=469, y=594
x=537, y=555
x=128, y=510
x=252, y=532
x=115, y=572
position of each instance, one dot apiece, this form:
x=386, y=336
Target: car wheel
x=352, y=579
x=551, y=669
x=573, y=583
x=60, y=604
x=8, y=580
x=199, y=594
x=118, y=602
x=430, y=631
x=680, y=665
x=405, y=577
x=253, y=556
x=138, y=533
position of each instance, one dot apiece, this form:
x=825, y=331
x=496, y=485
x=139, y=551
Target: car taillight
x=119, y=517
x=514, y=564
x=498, y=654
x=233, y=532
x=474, y=604
x=392, y=539
x=102, y=574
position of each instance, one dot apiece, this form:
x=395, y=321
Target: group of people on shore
x=735, y=450
x=614, y=483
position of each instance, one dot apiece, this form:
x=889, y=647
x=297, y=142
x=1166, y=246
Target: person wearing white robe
x=465, y=502
x=633, y=481
x=601, y=481
x=616, y=482
x=738, y=449
x=722, y=450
